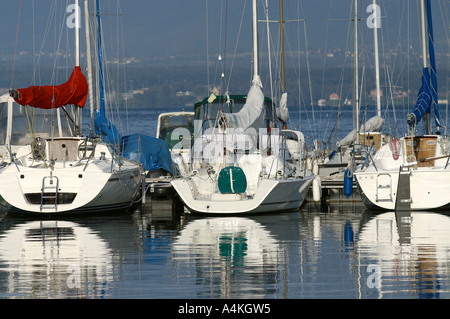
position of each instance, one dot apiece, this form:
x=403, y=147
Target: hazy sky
x=178, y=28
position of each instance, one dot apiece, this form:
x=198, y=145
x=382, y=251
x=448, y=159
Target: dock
x=333, y=191
x=159, y=187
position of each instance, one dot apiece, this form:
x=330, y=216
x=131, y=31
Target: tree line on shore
x=182, y=86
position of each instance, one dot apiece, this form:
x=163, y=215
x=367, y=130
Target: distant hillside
x=163, y=46
x=169, y=87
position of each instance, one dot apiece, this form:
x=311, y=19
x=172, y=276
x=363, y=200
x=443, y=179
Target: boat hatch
x=63, y=149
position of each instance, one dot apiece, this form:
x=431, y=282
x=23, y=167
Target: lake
x=155, y=252
x=159, y=251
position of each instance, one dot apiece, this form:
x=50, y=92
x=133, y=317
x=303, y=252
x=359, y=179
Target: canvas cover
x=105, y=129
x=232, y=180
x=153, y=153
x=252, y=113
x=74, y=91
x=282, y=111
x=374, y=124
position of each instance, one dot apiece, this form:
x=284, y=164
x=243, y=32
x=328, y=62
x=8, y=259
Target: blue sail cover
x=105, y=129
x=427, y=96
x=152, y=152
x=424, y=99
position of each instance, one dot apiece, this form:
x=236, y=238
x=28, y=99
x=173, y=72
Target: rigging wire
x=225, y=47
x=207, y=47
x=235, y=48
x=446, y=28
x=266, y=11
x=334, y=134
x=15, y=46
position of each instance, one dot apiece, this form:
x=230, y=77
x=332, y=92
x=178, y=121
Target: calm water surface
x=155, y=252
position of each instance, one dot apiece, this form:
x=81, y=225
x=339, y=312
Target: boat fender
x=348, y=183
x=331, y=155
x=394, y=146
x=317, y=189
x=309, y=163
x=315, y=168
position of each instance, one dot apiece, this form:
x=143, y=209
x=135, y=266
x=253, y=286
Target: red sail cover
x=74, y=91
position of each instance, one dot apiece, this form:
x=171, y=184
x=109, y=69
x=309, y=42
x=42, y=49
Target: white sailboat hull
x=429, y=189
x=28, y=185
x=94, y=191
x=272, y=195
x=418, y=179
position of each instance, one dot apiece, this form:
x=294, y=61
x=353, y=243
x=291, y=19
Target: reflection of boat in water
x=411, y=247
x=225, y=250
x=54, y=259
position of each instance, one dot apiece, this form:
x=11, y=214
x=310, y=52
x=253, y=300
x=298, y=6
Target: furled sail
x=74, y=91
x=427, y=96
x=282, y=111
x=374, y=124
x=105, y=129
x=252, y=113
x=424, y=99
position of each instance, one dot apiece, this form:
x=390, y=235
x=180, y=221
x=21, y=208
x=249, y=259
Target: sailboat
x=412, y=173
x=336, y=169
x=64, y=173
x=241, y=161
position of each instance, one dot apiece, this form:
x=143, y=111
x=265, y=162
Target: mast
x=77, y=59
x=282, y=46
x=77, y=34
x=424, y=34
x=377, y=63
x=101, y=105
x=426, y=116
x=268, y=48
x=256, y=79
x=89, y=64
x=355, y=71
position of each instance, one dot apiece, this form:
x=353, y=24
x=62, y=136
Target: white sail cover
x=252, y=113
x=374, y=124
x=282, y=111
